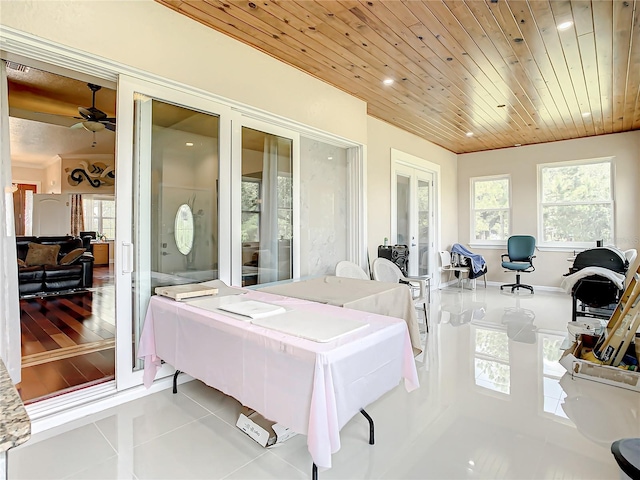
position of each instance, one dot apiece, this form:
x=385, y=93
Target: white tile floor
x=493, y=403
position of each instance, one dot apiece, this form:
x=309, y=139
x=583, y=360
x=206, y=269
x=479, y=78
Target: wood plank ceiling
x=468, y=75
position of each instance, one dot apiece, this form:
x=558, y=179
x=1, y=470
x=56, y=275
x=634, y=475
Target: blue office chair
x=520, y=250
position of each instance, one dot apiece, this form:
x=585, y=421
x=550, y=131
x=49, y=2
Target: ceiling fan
x=94, y=120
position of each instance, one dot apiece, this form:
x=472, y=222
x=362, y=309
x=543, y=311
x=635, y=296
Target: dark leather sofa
x=55, y=278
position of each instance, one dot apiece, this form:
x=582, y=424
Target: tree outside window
x=491, y=208
x=250, y=198
x=576, y=203
x=285, y=207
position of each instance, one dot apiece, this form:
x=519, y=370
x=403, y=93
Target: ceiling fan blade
x=85, y=113
x=92, y=114
x=110, y=126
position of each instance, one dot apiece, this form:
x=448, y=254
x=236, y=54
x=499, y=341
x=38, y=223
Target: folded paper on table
x=253, y=309
x=313, y=326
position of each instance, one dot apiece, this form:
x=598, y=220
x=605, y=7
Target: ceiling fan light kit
x=89, y=126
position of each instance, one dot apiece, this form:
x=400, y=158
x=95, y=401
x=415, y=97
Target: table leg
x=366, y=415
x=314, y=469
x=175, y=381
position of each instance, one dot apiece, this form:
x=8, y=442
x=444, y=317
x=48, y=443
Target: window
x=490, y=209
x=576, y=203
x=100, y=215
x=250, y=198
x=285, y=207
x=183, y=229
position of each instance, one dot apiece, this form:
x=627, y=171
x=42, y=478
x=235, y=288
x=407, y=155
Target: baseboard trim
x=62, y=410
x=491, y=283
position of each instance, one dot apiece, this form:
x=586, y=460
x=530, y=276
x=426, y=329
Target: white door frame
x=400, y=163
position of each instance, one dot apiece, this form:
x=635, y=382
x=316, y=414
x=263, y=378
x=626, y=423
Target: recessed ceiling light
x=565, y=26
x=469, y=134
x=329, y=158
x=586, y=114
x=388, y=81
x=189, y=144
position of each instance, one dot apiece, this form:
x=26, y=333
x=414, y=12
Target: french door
x=413, y=213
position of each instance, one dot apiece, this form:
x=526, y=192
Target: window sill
x=489, y=246
x=558, y=248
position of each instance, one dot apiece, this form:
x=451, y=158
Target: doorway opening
x=62, y=142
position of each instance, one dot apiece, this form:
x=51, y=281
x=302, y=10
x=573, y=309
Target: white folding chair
x=387, y=271
x=349, y=269
x=447, y=266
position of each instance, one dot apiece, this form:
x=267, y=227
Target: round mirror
x=184, y=229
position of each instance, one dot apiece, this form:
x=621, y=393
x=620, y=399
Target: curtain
x=77, y=215
x=268, y=254
x=9, y=303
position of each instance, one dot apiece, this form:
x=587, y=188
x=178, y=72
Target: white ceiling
x=42, y=107
x=36, y=144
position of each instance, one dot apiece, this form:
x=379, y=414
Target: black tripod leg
x=314, y=472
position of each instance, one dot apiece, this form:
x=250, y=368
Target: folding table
x=311, y=387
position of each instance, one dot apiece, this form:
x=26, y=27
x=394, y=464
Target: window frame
x=472, y=210
x=88, y=220
x=570, y=246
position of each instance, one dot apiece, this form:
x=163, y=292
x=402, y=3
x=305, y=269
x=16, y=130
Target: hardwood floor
x=68, y=341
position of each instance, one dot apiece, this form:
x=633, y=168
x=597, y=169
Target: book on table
x=183, y=292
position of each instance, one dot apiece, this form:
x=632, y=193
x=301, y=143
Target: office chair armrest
x=504, y=255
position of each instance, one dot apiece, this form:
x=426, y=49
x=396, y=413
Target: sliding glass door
x=267, y=166
x=168, y=234
x=211, y=193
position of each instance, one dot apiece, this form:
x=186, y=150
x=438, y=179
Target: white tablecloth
x=390, y=299
x=313, y=388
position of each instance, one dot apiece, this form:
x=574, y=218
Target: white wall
x=29, y=175
x=382, y=138
x=53, y=178
x=521, y=163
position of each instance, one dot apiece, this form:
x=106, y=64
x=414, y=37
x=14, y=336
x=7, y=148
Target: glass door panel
x=175, y=188
x=413, y=197
x=423, y=230
x=168, y=234
x=403, y=209
x=267, y=207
